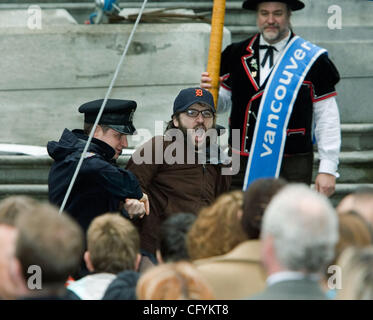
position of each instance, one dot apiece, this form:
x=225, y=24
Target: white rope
x=102, y=108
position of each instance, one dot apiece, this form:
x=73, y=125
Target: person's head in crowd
x=172, y=237
x=354, y=231
x=217, y=229
x=360, y=201
x=8, y=236
x=357, y=274
x=48, y=243
x=299, y=231
x=113, y=245
x=255, y=200
x=173, y=281
x=10, y=209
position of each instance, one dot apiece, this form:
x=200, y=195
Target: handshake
x=137, y=208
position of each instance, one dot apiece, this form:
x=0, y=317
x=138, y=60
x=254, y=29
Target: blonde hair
x=217, y=229
x=113, y=243
x=49, y=240
x=12, y=207
x=354, y=231
x=173, y=281
x=357, y=274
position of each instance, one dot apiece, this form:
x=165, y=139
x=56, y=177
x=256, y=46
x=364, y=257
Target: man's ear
x=175, y=121
x=17, y=278
x=239, y=214
x=159, y=256
x=137, y=262
x=88, y=262
x=98, y=132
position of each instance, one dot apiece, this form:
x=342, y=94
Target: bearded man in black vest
x=245, y=69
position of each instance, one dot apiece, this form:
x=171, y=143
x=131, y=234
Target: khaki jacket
x=237, y=274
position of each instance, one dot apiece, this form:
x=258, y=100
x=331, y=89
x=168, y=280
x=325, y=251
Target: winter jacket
x=173, y=188
x=100, y=185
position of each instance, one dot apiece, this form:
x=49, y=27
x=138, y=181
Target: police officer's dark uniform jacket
x=100, y=185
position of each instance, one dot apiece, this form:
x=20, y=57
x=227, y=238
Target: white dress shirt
x=290, y=275
x=327, y=128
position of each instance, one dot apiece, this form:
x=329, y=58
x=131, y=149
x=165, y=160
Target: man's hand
x=135, y=208
x=206, y=80
x=325, y=184
x=145, y=201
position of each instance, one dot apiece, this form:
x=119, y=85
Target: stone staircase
x=351, y=48
x=356, y=160
x=29, y=174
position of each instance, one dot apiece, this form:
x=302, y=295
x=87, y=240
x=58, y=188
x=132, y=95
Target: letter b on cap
x=199, y=93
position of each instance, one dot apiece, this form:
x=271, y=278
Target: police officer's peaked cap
x=117, y=114
x=293, y=4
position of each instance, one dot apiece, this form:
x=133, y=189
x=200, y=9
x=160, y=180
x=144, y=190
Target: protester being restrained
x=183, y=170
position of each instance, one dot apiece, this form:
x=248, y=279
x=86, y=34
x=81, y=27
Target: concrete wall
x=47, y=74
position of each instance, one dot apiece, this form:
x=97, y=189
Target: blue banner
x=275, y=109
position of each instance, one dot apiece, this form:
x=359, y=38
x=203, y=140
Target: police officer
x=101, y=186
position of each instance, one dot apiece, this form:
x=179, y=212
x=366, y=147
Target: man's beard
x=195, y=137
x=275, y=35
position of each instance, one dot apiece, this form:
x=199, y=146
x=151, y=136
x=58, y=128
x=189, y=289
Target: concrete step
x=36, y=191
x=354, y=12
x=343, y=189
x=357, y=136
x=355, y=167
x=30, y=170
x=40, y=191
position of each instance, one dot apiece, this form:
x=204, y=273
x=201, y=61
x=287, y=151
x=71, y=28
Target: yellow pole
x=216, y=36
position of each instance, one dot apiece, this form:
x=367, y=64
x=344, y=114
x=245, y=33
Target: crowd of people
x=188, y=220
x=275, y=241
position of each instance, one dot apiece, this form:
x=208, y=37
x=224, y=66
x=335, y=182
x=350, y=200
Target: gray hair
x=304, y=226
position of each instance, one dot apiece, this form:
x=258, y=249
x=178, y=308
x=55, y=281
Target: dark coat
x=174, y=188
x=304, y=289
x=100, y=185
x=123, y=286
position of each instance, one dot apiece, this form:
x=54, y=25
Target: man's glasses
x=193, y=113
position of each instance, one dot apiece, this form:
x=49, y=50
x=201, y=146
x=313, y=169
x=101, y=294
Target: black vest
x=240, y=68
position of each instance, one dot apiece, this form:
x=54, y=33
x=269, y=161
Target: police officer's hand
x=145, y=200
x=135, y=208
x=325, y=184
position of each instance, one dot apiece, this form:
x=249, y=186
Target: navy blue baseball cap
x=190, y=96
x=117, y=115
